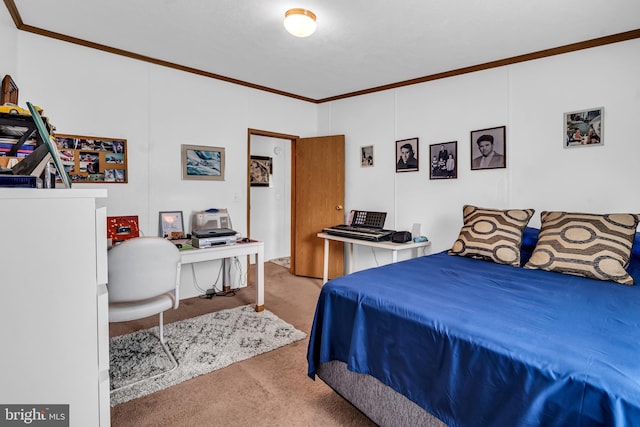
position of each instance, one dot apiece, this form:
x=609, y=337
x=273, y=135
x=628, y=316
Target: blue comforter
x=481, y=344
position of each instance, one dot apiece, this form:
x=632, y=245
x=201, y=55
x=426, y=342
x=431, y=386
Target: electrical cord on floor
x=230, y=293
x=209, y=293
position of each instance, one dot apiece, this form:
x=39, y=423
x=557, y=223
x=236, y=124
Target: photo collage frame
x=90, y=159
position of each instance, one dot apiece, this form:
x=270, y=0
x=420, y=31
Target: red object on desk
x=121, y=228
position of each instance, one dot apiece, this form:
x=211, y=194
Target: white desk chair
x=144, y=274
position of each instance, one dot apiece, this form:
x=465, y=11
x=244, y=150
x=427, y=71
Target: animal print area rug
x=200, y=345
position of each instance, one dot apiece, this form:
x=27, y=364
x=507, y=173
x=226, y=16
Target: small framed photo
x=260, y=171
x=489, y=148
x=444, y=160
x=584, y=128
x=407, y=155
x=121, y=228
x=200, y=162
x=171, y=225
x=366, y=156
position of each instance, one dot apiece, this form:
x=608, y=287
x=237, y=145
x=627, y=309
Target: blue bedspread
x=481, y=344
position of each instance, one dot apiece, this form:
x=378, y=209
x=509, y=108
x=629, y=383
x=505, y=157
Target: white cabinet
x=54, y=325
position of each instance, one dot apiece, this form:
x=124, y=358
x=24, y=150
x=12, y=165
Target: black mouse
x=178, y=245
x=246, y=240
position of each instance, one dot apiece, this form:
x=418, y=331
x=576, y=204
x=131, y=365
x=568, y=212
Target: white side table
x=393, y=247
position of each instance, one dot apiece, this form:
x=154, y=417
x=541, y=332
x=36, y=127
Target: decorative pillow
x=490, y=234
x=589, y=245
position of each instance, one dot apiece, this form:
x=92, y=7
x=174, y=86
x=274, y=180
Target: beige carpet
x=283, y=262
x=270, y=389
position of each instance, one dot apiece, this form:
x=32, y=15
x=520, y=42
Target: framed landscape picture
x=200, y=162
x=584, y=128
x=444, y=160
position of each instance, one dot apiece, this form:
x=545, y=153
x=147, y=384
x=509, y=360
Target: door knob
x=339, y=207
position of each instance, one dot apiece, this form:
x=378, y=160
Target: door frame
x=293, y=139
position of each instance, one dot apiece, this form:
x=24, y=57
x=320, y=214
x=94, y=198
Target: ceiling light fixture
x=300, y=22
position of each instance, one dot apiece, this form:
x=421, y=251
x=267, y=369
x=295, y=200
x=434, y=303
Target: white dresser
x=54, y=327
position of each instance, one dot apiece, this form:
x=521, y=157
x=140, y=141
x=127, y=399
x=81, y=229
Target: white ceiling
x=358, y=45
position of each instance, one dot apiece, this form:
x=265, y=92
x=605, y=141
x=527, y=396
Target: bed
x=467, y=341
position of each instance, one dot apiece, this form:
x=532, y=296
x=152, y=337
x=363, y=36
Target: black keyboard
x=359, y=232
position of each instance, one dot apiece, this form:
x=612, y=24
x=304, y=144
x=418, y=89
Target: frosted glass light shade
x=300, y=22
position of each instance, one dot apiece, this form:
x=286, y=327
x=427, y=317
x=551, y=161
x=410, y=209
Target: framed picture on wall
x=91, y=159
x=366, y=156
x=260, y=171
x=584, y=128
x=171, y=225
x=444, y=160
x=489, y=148
x=407, y=155
x=200, y=162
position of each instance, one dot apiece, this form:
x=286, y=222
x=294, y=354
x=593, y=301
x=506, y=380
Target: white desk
x=229, y=251
x=393, y=247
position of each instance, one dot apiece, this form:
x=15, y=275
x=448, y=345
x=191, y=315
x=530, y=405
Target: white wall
x=7, y=44
x=157, y=109
x=529, y=99
x=601, y=179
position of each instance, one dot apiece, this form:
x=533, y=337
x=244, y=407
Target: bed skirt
x=380, y=403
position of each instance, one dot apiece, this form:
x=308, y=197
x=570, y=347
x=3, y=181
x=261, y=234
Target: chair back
x=142, y=268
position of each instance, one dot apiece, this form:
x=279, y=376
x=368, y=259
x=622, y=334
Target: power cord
x=195, y=279
x=213, y=292
x=236, y=262
x=208, y=293
x=231, y=292
x=375, y=258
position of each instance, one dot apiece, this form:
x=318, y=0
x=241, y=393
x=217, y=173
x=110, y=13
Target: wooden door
x=318, y=200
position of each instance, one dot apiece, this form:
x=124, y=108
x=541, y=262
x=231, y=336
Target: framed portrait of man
x=407, y=155
x=489, y=148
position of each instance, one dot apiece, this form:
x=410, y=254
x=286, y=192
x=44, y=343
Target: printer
x=212, y=227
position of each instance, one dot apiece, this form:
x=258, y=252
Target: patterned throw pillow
x=493, y=235
x=589, y=245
